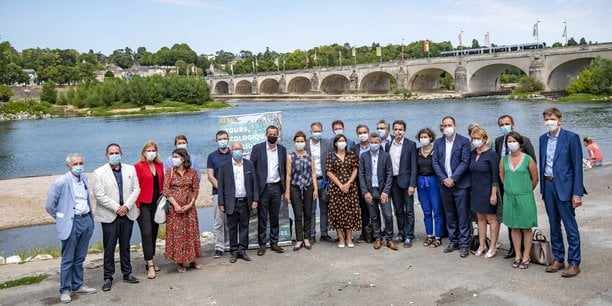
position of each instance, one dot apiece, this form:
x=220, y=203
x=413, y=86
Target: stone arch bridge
x=473, y=74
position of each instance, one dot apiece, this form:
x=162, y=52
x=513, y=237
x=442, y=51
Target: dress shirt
x=384, y=142
x=119, y=179
x=80, y=196
x=550, y=153
x=315, y=151
x=504, y=148
x=374, y=169
x=240, y=191
x=447, y=156
x=396, y=152
x=273, y=167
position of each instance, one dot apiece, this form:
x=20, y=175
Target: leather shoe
x=276, y=248
x=298, y=247
x=571, y=271
x=327, y=238
x=464, y=252
x=360, y=239
x=408, y=243
x=233, y=258
x=377, y=244
x=261, y=251
x=451, y=247
x=392, y=245
x=555, y=267
x=245, y=256
x=131, y=279
x=108, y=284
x=509, y=254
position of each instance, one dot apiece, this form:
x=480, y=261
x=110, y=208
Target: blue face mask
x=114, y=159
x=77, y=170
x=222, y=143
x=316, y=136
x=382, y=133
x=505, y=129
x=237, y=155
x=374, y=147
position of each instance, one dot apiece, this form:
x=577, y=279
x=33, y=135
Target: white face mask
x=449, y=131
x=551, y=125
x=300, y=146
x=338, y=131
x=150, y=155
x=363, y=137
x=424, y=141
x=477, y=143
x=513, y=146
x=181, y=146
x=176, y=161
x=341, y=145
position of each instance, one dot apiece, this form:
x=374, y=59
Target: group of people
x=356, y=186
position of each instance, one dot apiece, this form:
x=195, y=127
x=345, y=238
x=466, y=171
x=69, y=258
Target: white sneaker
x=65, y=297
x=85, y=290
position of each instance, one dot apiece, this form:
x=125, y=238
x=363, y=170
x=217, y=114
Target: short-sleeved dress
x=484, y=173
x=519, y=202
x=182, y=229
x=343, y=208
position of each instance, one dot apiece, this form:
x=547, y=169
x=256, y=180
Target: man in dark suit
x=403, y=155
x=269, y=159
x=318, y=148
x=562, y=189
x=375, y=181
x=238, y=194
x=506, y=125
x=363, y=133
x=451, y=159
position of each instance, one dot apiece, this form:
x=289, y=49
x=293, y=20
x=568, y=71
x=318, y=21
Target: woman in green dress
x=519, y=174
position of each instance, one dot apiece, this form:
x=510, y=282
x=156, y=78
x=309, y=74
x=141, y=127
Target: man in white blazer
x=116, y=189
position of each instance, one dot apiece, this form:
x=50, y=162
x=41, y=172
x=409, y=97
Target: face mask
x=176, y=161
x=505, y=129
x=237, y=154
x=114, y=159
x=300, y=146
x=382, y=133
x=181, y=146
x=150, y=155
x=551, y=125
x=272, y=139
x=316, y=135
x=513, y=146
x=77, y=170
x=374, y=147
x=449, y=131
x=477, y=143
x=222, y=143
x=363, y=137
x=424, y=141
x=399, y=134
x=338, y=131
x=341, y=145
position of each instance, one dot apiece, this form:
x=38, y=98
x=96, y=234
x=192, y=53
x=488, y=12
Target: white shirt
x=80, y=196
x=447, y=156
x=374, y=169
x=273, y=169
x=396, y=152
x=315, y=151
x=240, y=191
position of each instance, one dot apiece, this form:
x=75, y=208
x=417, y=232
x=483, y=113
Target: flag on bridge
x=460, y=39
x=276, y=61
x=256, y=63
x=354, y=52
x=535, y=29
x=564, y=31
x=426, y=46
x=378, y=51
x=486, y=39
x=307, y=60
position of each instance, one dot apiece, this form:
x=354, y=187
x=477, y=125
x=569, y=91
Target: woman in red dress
x=181, y=188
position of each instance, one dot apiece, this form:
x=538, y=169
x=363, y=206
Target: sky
x=208, y=26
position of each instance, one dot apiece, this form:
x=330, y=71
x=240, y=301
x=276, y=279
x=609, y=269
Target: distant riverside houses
x=143, y=71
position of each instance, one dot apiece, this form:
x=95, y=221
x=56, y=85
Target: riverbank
x=23, y=200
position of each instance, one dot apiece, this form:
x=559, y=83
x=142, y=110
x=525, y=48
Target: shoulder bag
x=541, y=252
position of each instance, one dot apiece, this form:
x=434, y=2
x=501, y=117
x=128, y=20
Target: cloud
x=189, y=3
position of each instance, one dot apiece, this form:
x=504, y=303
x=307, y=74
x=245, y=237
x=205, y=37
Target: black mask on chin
x=272, y=139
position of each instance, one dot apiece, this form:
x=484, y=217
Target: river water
x=39, y=147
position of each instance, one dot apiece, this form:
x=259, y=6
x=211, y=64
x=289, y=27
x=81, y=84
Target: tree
x=528, y=84
x=475, y=44
x=583, y=41
x=5, y=93
x=48, y=93
x=572, y=42
x=595, y=79
x=557, y=45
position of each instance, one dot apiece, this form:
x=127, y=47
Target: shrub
x=528, y=84
x=5, y=93
x=48, y=93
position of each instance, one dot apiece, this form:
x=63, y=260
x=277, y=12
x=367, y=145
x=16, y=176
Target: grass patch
x=27, y=280
x=164, y=107
x=216, y=104
x=583, y=97
x=53, y=250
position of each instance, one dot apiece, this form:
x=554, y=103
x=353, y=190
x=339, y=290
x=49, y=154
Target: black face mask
x=272, y=139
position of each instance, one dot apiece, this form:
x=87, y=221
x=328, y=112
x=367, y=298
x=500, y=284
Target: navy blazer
x=259, y=157
x=408, y=172
x=324, y=145
x=460, y=160
x=384, y=172
x=567, y=165
x=227, y=185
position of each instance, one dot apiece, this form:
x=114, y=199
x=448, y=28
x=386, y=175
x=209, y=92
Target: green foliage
x=26, y=280
x=28, y=106
x=48, y=93
x=595, y=79
x=582, y=97
x=109, y=74
x=5, y=93
x=572, y=42
x=528, y=84
x=557, y=45
x=447, y=81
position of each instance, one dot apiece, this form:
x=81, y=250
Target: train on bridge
x=497, y=49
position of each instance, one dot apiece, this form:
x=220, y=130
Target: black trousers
x=148, y=229
x=268, y=209
x=238, y=227
x=365, y=212
x=302, y=210
x=121, y=230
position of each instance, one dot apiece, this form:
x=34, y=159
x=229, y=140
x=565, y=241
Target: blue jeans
x=374, y=209
x=429, y=196
x=322, y=218
x=558, y=211
x=74, y=250
x=404, y=210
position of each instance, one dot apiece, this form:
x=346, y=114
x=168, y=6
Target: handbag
x=162, y=210
x=541, y=252
x=324, y=189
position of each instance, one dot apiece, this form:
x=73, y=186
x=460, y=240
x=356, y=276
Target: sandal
x=428, y=241
x=196, y=265
x=157, y=269
x=436, y=243
x=150, y=274
x=525, y=264
x=181, y=269
x=516, y=263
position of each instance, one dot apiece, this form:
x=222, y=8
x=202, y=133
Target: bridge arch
x=269, y=86
x=335, y=84
x=487, y=78
x=427, y=79
x=222, y=88
x=299, y=85
x=561, y=75
x=243, y=88
x=378, y=82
